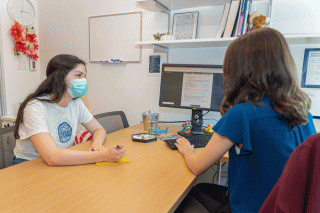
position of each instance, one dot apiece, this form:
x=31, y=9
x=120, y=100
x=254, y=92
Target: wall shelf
x=222, y=42
x=188, y=43
x=169, y=5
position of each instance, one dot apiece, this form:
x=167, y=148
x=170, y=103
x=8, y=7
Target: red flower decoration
x=17, y=31
x=25, y=44
x=21, y=48
x=34, y=57
x=31, y=38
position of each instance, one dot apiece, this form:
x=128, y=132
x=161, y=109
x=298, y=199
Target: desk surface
x=155, y=180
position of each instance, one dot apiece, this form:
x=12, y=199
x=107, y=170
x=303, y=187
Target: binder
x=223, y=20
x=232, y=17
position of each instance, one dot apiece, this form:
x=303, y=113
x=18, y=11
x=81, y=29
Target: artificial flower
x=20, y=48
x=34, y=57
x=31, y=51
x=17, y=31
x=31, y=30
x=31, y=38
x=25, y=44
x=23, y=40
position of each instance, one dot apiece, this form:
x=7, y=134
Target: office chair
x=298, y=188
x=112, y=121
x=7, y=144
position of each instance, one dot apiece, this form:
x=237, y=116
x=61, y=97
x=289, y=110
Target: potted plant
x=157, y=36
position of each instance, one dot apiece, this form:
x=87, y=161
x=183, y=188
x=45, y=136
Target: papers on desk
x=123, y=160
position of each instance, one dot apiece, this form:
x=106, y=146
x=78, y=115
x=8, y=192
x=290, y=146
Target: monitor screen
x=191, y=86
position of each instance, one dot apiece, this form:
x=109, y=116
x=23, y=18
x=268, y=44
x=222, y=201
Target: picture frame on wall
x=185, y=25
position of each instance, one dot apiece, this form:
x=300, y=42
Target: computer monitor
x=192, y=86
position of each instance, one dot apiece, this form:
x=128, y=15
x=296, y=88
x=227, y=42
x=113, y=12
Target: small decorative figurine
x=150, y=131
x=256, y=20
x=209, y=128
x=186, y=127
x=159, y=131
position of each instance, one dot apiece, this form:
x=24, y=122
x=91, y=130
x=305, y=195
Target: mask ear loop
x=69, y=84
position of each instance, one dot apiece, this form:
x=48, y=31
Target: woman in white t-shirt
x=47, y=120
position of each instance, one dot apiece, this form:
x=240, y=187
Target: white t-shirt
x=60, y=122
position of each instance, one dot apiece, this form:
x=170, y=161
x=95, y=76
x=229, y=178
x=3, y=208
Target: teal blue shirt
x=267, y=142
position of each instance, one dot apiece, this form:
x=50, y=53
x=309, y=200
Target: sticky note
x=123, y=160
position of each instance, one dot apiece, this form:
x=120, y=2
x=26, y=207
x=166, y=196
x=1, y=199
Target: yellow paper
x=123, y=160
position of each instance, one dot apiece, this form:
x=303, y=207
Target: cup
x=150, y=120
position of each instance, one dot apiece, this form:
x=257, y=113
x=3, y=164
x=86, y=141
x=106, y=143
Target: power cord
x=171, y=122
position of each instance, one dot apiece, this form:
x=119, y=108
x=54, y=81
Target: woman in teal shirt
x=265, y=116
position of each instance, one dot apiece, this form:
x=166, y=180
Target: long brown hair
x=259, y=64
x=54, y=85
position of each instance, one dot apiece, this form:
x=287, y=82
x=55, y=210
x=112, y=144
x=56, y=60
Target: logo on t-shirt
x=65, y=132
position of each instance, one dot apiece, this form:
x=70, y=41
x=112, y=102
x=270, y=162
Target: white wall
x=127, y=87
x=18, y=83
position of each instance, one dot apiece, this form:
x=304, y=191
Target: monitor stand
x=196, y=122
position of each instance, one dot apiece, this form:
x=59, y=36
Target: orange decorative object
x=25, y=44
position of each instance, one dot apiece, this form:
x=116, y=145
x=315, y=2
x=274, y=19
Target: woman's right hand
x=115, y=154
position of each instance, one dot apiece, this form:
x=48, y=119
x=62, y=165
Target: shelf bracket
x=159, y=49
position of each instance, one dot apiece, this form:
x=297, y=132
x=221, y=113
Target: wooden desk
x=155, y=180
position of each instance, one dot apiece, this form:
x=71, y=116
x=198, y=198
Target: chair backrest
x=298, y=188
x=112, y=121
x=7, y=144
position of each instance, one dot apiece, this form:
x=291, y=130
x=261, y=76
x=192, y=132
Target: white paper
x=196, y=90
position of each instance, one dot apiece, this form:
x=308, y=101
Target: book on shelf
x=240, y=17
x=223, y=20
x=232, y=18
x=246, y=17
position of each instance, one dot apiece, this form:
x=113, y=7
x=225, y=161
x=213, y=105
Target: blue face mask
x=79, y=89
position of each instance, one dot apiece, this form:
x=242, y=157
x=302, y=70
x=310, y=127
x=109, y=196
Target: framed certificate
x=185, y=25
x=311, y=68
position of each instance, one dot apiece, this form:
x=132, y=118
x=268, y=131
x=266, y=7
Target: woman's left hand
x=97, y=147
x=184, y=145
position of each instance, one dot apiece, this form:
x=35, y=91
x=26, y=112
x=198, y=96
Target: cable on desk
x=171, y=122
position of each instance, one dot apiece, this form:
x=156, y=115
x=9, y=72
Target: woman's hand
x=184, y=145
x=97, y=147
x=116, y=153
